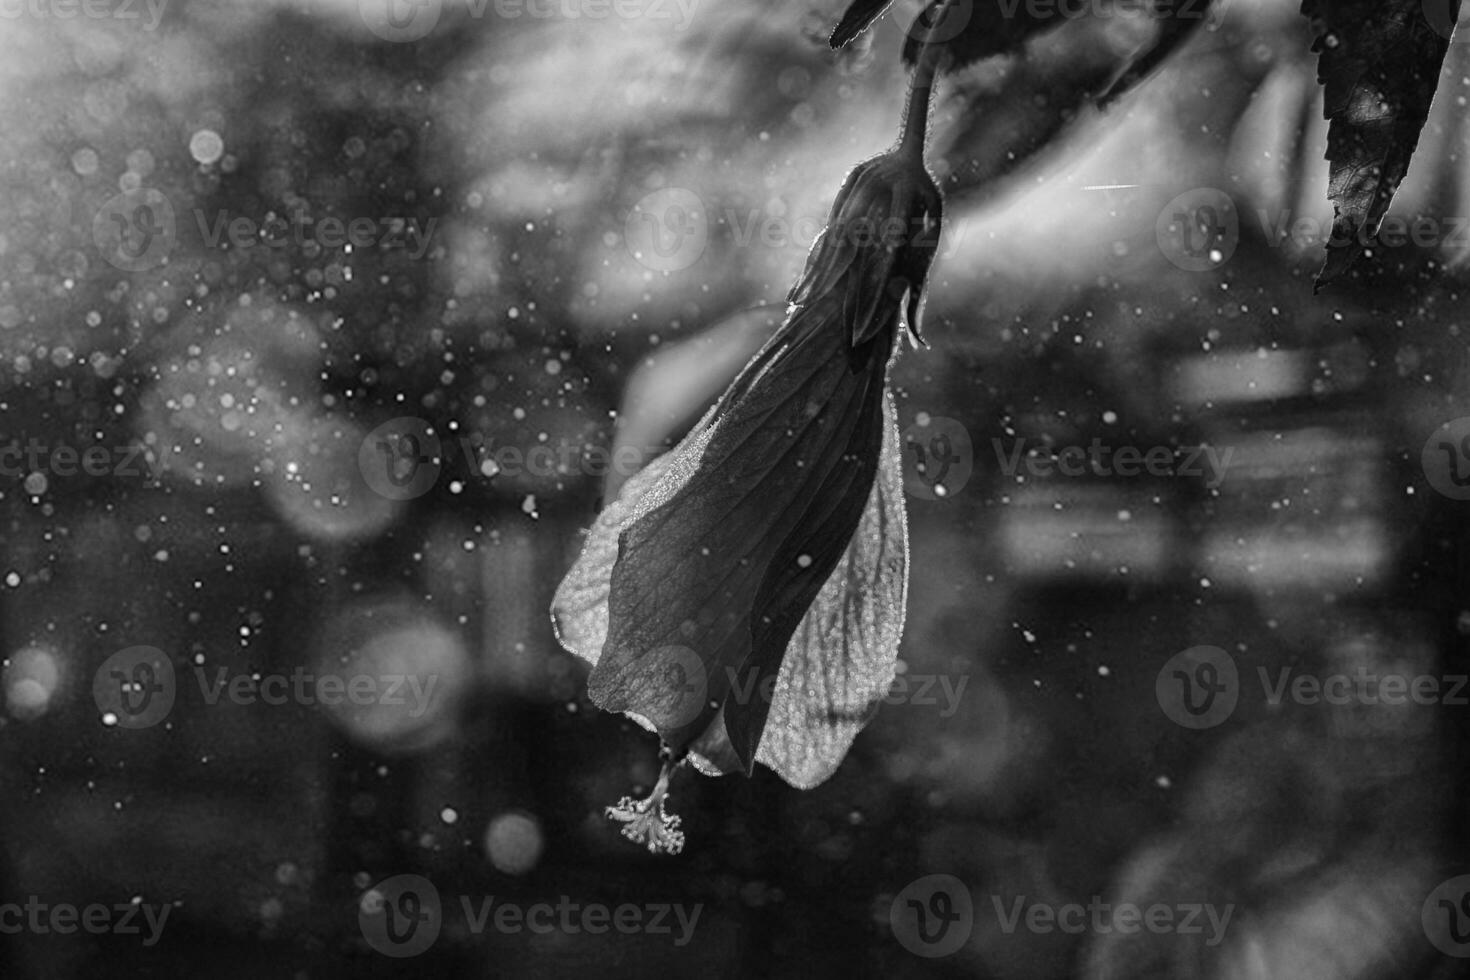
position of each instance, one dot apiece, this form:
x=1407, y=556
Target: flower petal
x=579, y=608
x=840, y=662
x=721, y=574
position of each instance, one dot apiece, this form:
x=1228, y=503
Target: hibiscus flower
x=744, y=595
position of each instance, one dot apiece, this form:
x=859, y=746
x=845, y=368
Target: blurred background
x=241, y=242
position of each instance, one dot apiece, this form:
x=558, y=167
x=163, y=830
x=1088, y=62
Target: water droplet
x=206, y=146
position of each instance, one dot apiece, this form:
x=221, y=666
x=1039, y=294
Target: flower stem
x=934, y=55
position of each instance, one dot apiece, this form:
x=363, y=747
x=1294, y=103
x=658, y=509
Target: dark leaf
x=976, y=29
x=1379, y=65
x=992, y=124
x=996, y=121
x=858, y=18
x=1178, y=20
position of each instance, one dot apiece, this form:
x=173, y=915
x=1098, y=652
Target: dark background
x=1055, y=316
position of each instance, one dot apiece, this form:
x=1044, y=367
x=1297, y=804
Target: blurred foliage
x=250, y=376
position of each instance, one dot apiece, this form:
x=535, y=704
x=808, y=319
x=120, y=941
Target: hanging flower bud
x=877, y=247
x=744, y=595
x=757, y=572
